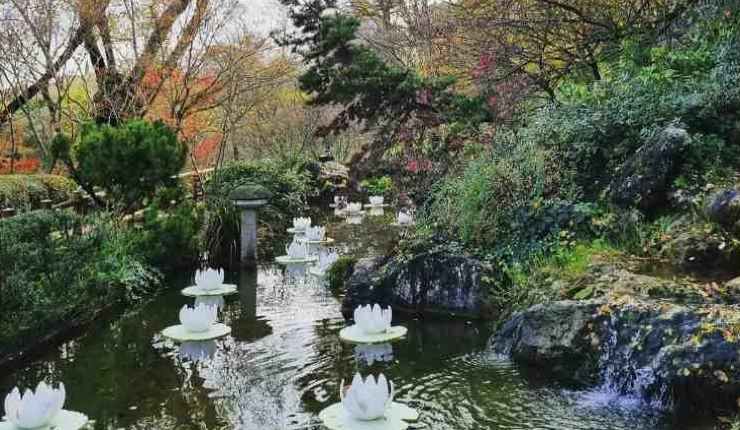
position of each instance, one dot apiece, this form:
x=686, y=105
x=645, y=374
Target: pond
x=283, y=363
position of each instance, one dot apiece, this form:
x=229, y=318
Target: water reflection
x=283, y=364
x=374, y=211
x=355, y=219
x=370, y=354
x=197, y=351
x=217, y=301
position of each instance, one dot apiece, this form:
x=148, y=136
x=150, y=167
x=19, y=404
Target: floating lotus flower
x=315, y=234
x=354, y=208
x=405, y=218
x=329, y=12
x=367, y=400
x=373, y=319
x=34, y=410
x=199, y=318
x=209, y=279
x=297, y=251
x=376, y=200
x=301, y=224
x=326, y=259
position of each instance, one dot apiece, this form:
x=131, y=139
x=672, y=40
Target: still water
x=283, y=363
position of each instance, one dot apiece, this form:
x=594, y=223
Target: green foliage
x=508, y=200
x=378, y=186
x=24, y=192
x=339, y=272
x=595, y=129
x=59, y=267
x=166, y=228
x=130, y=161
x=290, y=187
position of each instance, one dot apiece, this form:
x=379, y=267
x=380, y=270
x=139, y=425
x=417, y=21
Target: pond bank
x=670, y=341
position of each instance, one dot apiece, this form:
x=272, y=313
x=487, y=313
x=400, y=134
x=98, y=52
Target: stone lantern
x=248, y=198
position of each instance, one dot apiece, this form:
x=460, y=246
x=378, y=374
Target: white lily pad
x=326, y=241
x=180, y=334
x=64, y=420
x=397, y=417
x=221, y=290
x=284, y=259
x=353, y=334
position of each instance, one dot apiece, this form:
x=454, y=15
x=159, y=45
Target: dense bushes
x=23, y=192
x=58, y=267
x=599, y=127
x=606, y=164
x=130, y=161
x=166, y=229
x=513, y=193
x=290, y=188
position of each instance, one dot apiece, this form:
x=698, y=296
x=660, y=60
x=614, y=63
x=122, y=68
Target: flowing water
x=283, y=363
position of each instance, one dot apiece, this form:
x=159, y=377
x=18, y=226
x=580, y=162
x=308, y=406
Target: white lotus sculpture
x=373, y=319
x=376, y=200
x=198, y=319
x=326, y=259
x=354, y=208
x=367, y=400
x=315, y=234
x=301, y=224
x=297, y=251
x=34, y=409
x=209, y=279
x=405, y=218
x=330, y=12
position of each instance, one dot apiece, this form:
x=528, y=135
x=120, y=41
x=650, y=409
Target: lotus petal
x=199, y=318
x=34, y=409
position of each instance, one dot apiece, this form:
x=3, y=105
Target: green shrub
x=167, y=229
x=596, y=129
x=289, y=187
x=505, y=201
x=130, y=161
x=24, y=192
x=60, y=267
x=377, y=186
x=339, y=272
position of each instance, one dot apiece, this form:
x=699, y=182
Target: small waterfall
x=627, y=370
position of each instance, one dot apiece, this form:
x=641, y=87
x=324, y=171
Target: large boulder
x=724, y=209
x=684, y=355
x=644, y=179
x=428, y=283
x=557, y=335
x=700, y=247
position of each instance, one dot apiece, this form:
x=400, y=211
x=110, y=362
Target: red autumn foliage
x=26, y=165
x=193, y=127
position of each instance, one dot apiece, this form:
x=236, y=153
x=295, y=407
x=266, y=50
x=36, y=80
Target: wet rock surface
x=681, y=355
x=426, y=284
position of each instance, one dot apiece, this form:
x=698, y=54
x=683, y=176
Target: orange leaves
x=26, y=165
